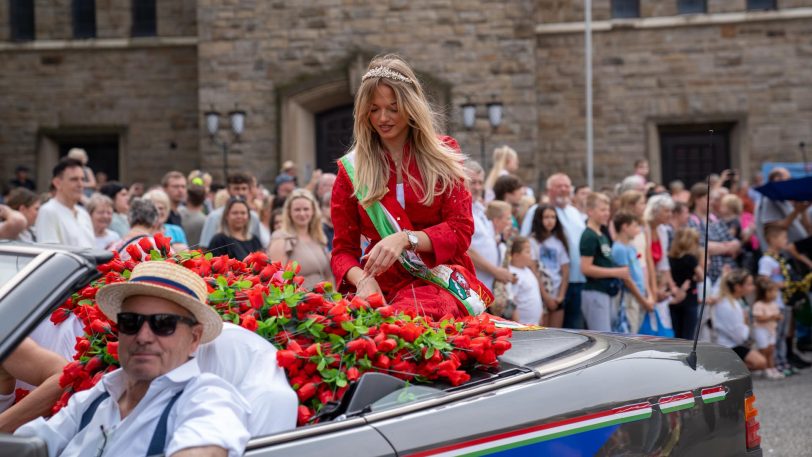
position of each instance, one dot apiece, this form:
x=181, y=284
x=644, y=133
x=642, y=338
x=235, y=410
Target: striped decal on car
x=529, y=436
x=676, y=402
x=714, y=394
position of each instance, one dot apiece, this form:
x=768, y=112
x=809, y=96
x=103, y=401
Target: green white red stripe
x=676, y=402
x=714, y=394
x=539, y=433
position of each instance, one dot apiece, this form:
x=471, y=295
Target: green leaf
x=222, y=281
x=322, y=364
x=244, y=284
x=341, y=382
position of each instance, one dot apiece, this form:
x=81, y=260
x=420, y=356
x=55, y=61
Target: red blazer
x=448, y=222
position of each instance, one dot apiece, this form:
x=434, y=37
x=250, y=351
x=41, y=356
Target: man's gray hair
x=143, y=212
x=555, y=176
x=633, y=182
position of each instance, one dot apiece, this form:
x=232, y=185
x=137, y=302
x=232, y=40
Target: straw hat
x=166, y=280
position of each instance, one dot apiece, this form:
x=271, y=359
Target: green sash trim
x=443, y=276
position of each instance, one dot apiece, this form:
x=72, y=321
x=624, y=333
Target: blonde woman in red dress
x=411, y=182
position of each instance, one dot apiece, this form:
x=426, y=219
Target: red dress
x=448, y=222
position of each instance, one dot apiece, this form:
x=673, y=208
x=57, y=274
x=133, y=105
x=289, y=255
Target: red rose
x=286, y=358
x=93, y=364
x=306, y=391
x=248, y=321
x=146, y=244
x=60, y=315
x=376, y=300
x=353, y=374
x=387, y=345
x=386, y=311
x=98, y=326
x=82, y=345
x=304, y=415
x=134, y=252
x=112, y=349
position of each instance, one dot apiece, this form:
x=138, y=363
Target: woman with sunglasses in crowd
x=235, y=238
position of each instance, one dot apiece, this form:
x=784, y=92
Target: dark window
x=102, y=151
x=84, y=18
x=760, y=5
x=145, y=18
x=625, y=8
x=690, y=153
x=333, y=136
x=21, y=14
x=692, y=6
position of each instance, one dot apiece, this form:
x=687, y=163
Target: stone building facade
x=660, y=82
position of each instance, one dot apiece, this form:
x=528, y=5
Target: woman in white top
x=100, y=208
x=731, y=325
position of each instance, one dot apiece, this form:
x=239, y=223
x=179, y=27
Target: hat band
x=165, y=282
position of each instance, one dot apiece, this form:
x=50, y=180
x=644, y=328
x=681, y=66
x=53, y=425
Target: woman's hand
x=385, y=253
x=367, y=286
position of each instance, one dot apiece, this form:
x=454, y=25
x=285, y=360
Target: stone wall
x=148, y=94
x=249, y=50
x=755, y=73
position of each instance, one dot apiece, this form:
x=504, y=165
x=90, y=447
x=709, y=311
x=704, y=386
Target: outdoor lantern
x=212, y=122
x=495, y=113
x=237, y=121
x=468, y=115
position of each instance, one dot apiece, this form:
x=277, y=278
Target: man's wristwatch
x=412, y=239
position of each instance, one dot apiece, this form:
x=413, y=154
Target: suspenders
x=158, y=441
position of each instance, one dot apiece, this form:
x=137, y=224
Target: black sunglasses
x=160, y=324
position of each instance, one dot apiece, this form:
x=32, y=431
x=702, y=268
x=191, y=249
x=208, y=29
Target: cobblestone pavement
x=785, y=413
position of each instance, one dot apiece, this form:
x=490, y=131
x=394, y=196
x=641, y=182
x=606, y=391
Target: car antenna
x=692, y=356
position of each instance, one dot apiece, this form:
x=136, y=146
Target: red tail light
x=751, y=424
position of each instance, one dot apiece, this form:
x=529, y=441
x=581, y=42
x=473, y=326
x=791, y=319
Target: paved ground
x=785, y=412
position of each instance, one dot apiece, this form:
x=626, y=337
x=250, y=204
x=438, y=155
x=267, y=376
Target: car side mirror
x=23, y=446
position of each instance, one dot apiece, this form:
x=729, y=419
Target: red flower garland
x=324, y=341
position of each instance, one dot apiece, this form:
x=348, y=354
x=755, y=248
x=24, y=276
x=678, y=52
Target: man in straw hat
x=159, y=402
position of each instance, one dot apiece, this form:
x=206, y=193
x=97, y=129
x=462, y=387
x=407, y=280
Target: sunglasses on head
x=160, y=324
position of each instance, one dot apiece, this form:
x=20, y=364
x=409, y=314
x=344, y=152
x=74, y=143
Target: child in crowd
x=525, y=291
x=684, y=257
x=596, y=264
x=774, y=267
x=554, y=263
x=635, y=302
x=766, y=315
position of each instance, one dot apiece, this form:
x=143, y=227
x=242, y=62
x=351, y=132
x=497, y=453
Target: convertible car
x=556, y=392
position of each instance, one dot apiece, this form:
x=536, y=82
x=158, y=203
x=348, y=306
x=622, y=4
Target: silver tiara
x=383, y=72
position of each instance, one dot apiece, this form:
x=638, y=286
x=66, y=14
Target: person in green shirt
x=598, y=267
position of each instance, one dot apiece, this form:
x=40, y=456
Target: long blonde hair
x=728, y=283
x=440, y=165
x=500, y=159
x=314, y=226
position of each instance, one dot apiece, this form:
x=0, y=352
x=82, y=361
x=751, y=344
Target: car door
x=351, y=437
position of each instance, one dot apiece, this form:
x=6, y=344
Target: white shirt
x=769, y=267
x=248, y=362
x=208, y=413
x=483, y=242
x=526, y=295
x=552, y=256
x=59, y=338
x=109, y=237
x=574, y=225
x=56, y=223
x=728, y=323
x=212, y=226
